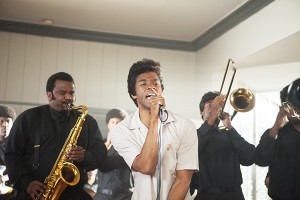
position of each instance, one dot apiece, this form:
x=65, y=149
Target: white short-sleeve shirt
x=179, y=152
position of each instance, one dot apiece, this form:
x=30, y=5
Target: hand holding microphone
x=163, y=113
x=156, y=100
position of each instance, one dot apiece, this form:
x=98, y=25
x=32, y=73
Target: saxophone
x=64, y=172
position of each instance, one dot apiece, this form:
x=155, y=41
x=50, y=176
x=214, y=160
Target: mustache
x=68, y=103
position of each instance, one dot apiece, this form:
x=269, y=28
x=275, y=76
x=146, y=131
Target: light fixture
x=47, y=21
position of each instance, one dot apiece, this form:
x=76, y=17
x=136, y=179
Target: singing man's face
x=146, y=83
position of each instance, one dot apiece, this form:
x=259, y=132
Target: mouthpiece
x=70, y=105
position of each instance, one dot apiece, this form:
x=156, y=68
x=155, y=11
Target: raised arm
x=146, y=161
x=265, y=149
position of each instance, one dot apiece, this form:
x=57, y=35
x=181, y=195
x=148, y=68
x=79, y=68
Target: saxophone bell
x=69, y=174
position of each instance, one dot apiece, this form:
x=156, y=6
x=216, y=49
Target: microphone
x=162, y=109
x=163, y=113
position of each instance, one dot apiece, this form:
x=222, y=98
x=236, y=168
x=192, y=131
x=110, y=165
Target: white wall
x=100, y=71
x=277, y=21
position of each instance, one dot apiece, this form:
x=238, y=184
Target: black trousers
x=106, y=194
x=275, y=198
x=79, y=194
x=10, y=196
x=75, y=195
x=221, y=194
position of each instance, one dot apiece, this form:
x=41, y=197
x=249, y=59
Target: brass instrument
x=64, y=172
x=241, y=99
x=293, y=97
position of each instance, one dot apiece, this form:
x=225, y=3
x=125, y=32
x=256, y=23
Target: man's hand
x=217, y=104
x=76, y=154
x=226, y=121
x=35, y=189
x=155, y=103
x=108, y=143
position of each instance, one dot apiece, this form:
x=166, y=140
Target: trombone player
x=221, y=152
x=279, y=147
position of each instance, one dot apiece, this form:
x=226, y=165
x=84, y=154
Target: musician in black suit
x=221, y=153
x=7, y=116
x=39, y=136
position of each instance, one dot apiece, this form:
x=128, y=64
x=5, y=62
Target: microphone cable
x=163, y=116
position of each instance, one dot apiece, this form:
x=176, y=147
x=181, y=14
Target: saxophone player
x=38, y=138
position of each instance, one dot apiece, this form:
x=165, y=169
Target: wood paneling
x=15, y=74
x=99, y=69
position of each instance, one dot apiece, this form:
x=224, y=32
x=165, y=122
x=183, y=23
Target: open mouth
x=150, y=95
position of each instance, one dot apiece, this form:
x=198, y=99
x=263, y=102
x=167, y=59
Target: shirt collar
x=59, y=116
x=137, y=123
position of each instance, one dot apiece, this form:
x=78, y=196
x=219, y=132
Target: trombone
x=241, y=99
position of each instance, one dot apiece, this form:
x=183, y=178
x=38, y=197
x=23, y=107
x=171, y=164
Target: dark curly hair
x=57, y=76
x=283, y=94
x=115, y=113
x=7, y=111
x=140, y=67
x=207, y=97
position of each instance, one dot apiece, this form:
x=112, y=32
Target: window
x=251, y=125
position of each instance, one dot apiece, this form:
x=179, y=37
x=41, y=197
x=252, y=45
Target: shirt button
x=168, y=147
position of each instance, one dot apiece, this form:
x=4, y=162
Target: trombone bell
x=242, y=100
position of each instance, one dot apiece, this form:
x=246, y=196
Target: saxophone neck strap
x=36, y=155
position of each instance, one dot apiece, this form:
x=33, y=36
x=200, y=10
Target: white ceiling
x=183, y=22
x=165, y=19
